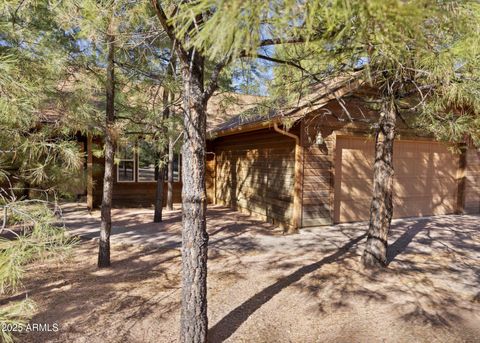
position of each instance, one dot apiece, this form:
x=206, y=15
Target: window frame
x=136, y=164
x=134, y=170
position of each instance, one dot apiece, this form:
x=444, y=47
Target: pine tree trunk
x=194, y=323
x=170, y=175
x=171, y=72
x=106, y=212
x=381, y=209
x=157, y=217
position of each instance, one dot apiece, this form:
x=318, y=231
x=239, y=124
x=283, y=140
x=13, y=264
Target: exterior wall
x=128, y=194
x=320, y=158
x=210, y=176
x=141, y=194
x=472, y=182
x=255, y=174
x=318, y=176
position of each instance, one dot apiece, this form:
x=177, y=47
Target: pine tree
x=35, y=151
x=118, y=43
x=194, y=322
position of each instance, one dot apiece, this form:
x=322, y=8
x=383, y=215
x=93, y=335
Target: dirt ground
x=263, y=286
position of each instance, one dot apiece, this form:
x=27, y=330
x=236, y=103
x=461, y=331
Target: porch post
x=298, y=180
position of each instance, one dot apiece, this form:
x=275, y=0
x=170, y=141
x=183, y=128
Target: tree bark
x=170, y=175
x=171, y=72
x=157, y=217
x=381, y=209
x=194, y=322
x=106, y=211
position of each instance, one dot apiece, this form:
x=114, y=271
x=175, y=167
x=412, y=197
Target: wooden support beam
x=298, y=181
x=298, y=187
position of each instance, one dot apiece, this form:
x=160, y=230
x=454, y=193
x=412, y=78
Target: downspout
x=298, y=181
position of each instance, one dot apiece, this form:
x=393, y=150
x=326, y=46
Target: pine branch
x=170, y=30
x=278, y=41
x=213, y=85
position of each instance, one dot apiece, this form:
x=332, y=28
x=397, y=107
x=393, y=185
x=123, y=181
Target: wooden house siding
x=130, y=194
x=141, y=194
x=127, y=194
x=320, y=165
x=317, y=177
x=256, y=171
x=472, y=182
x=210, y=177
x=255, y=174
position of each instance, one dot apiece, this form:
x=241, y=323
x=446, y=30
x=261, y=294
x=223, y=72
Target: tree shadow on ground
x=77, y=292
x=140, y=293
x=232, y=321
x=426, y=258
x=404, y=240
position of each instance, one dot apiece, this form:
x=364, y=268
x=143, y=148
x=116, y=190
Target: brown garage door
x=424, y=184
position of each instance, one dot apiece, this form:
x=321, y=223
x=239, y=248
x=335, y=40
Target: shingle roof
x=319, y=95
x=222, y=107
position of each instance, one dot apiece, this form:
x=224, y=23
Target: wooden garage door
x=424, y=183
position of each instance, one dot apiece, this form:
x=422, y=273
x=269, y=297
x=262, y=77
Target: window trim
x=134, y=168
x=136, y=172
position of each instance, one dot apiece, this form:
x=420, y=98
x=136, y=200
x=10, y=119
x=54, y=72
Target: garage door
x=424, y=183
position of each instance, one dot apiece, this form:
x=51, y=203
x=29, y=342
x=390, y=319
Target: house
x=317, y=170
x=135, y=179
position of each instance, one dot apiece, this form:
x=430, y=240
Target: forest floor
x=264, y=286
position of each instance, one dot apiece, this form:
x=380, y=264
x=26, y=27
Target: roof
x=222, y=107
x=262, y=115
x=229, y=112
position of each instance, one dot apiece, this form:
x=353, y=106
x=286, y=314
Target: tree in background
x=165, y=163
x=154, y=112
x=118, y=44
x=99, y=20
x=110, y=147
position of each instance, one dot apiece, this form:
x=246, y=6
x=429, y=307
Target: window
x=126, y=164
x=147, y=159
x=143, y=160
